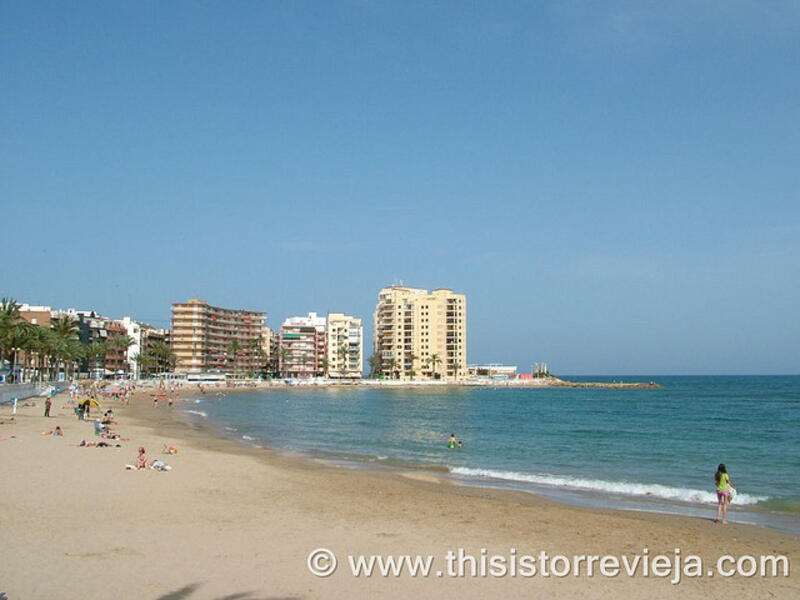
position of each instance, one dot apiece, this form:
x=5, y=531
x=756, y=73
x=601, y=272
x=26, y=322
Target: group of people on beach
x=162, y=394
x=87, y=398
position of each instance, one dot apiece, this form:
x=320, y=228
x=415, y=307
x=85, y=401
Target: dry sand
x=231, y=521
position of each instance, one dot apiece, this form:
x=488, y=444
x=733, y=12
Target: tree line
x=48, y=351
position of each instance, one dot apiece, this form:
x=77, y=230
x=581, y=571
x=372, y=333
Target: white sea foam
x=197, y=412
x=246, y=437
x=624, y=488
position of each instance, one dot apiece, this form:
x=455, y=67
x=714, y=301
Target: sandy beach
x=232, y=521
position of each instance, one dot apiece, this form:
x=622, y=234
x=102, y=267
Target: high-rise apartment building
x=302, y=345
x=210, y=338
x=345, y=347
x=420, y=334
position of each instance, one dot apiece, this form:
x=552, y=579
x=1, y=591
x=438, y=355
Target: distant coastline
x=544, y=382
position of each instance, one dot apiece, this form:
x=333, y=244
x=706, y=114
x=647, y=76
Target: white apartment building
x=143, y=336
x=345, y=347
x=302, y=347
x=134, y=331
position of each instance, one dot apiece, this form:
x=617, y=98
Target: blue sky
x=613, y=185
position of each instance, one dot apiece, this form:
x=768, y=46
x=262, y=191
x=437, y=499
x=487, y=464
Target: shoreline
x=749, y=515
x=236, y=519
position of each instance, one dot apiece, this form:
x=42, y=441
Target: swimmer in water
x=451, y=443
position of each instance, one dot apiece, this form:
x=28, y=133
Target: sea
x=634, y=449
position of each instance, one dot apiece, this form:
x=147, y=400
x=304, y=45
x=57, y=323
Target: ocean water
x=637, y=449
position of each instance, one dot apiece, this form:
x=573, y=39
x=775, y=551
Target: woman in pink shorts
x=724, y=487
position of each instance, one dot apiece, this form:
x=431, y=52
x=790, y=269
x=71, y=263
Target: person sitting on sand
x=57, y=431
x=99, y=428
x=724, y=488
x=141, y=460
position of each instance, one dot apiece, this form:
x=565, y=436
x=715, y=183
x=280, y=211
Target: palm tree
x=304, y=359
x=434, y=360
x=64, y=329
x=9, y=308
x=456, y=369
x=280, y=366
x=341, y=354
x=97, y=354
x=72, y=352
x=260, y=360
x=411, y=357
x=64, y=332
x=233, y=350
x=122, y=342
x=392, y=364
x=257, y=354
x=375, y=366
x=162, y=356
x=19, y=338
x=144, y=361
x=38, y=347
x=9, y=319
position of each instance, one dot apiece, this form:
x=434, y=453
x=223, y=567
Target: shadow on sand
x=187, y=590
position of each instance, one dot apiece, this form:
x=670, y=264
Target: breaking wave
x=624, y=488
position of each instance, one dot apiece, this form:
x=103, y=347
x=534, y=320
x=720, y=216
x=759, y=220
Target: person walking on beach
x=47, y=404
x=724, y=487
